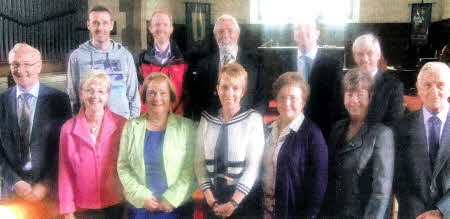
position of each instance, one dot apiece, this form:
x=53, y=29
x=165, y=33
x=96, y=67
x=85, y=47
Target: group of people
x=117, y=144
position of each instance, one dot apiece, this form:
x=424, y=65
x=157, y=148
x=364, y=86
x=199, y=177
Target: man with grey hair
x=31, y=115
x=323, y=73
x=422, y=182
x=202, y=79
x=387, y=100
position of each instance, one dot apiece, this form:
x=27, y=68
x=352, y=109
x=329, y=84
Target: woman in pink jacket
x=89, y=186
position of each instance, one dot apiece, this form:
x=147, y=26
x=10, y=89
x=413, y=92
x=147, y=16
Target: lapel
x=14, y=150
x=355, y=142
x=81, y=128
x=214, y=70
x=12, y=114
x=294, y=66
x=419, y=145
x=39, y=112
x=109, y=126
x=444, y=149
x=137, y=152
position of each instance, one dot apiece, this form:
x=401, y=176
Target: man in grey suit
x=423, y=149
x=31, y=115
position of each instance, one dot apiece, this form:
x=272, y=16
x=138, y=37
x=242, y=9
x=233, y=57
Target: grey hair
x=366, y=40
x=355, y=79
x=440, y=67
x=18, y=46
x=226, y=17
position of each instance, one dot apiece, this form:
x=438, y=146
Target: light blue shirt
x=301, y=65
x=34, y=91
x=162, y=56
x=442, y=116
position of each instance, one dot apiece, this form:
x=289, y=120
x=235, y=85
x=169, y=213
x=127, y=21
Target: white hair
x=367, y=40
x=439, y=67
x=21, y=46
x=226, y=17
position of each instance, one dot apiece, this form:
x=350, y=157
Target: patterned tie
x=24, y=123
x=433, y=138
x=227, y=59
x=305, y=66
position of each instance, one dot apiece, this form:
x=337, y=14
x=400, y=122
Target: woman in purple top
x=296, y=157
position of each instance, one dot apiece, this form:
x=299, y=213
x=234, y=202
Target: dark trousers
x=250, y=207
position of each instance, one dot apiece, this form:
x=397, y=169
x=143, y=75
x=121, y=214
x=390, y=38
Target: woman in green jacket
x=155, y=162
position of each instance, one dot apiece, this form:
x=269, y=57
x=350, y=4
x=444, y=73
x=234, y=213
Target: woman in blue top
x=156, y=156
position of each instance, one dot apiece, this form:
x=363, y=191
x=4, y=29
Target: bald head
x=433, y=86
x=25, y=64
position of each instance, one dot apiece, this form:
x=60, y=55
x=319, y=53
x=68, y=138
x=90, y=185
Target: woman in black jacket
x=361, y=157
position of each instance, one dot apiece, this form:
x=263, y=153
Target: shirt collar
x=442, y=115
x=374, y=73
x=294, y=125
x=161, y=53
x=311, y=54
x=34, y=91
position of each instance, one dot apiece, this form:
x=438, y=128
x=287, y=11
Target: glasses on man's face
x=26, y=65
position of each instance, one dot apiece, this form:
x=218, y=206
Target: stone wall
x=397, y=11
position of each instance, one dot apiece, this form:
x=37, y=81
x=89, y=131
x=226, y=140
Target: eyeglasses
x=93, y=91
x=25, y=65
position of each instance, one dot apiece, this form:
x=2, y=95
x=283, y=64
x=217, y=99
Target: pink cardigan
x=88, y=172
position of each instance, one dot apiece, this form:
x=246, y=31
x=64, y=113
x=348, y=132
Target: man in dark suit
x=202, y=79
x=322, y=72
x=387, y=100
x=31, y=115
x=422, y=184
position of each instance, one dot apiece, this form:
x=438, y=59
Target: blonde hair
x=234, y=72
x=96, y=76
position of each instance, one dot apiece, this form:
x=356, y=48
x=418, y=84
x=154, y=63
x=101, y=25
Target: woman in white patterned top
x=229, y=150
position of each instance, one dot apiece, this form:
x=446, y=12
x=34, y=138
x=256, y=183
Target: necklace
x=156, y=124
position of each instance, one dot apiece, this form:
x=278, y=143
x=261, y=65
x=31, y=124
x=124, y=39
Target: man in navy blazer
x=323, y=73
x=31, y=115
x=202, y=78
x=422, y=184
x=387, y=101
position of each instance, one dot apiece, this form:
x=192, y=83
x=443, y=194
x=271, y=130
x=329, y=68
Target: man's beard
x=226, y=47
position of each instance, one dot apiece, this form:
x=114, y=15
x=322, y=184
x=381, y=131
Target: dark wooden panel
x=47, y=26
